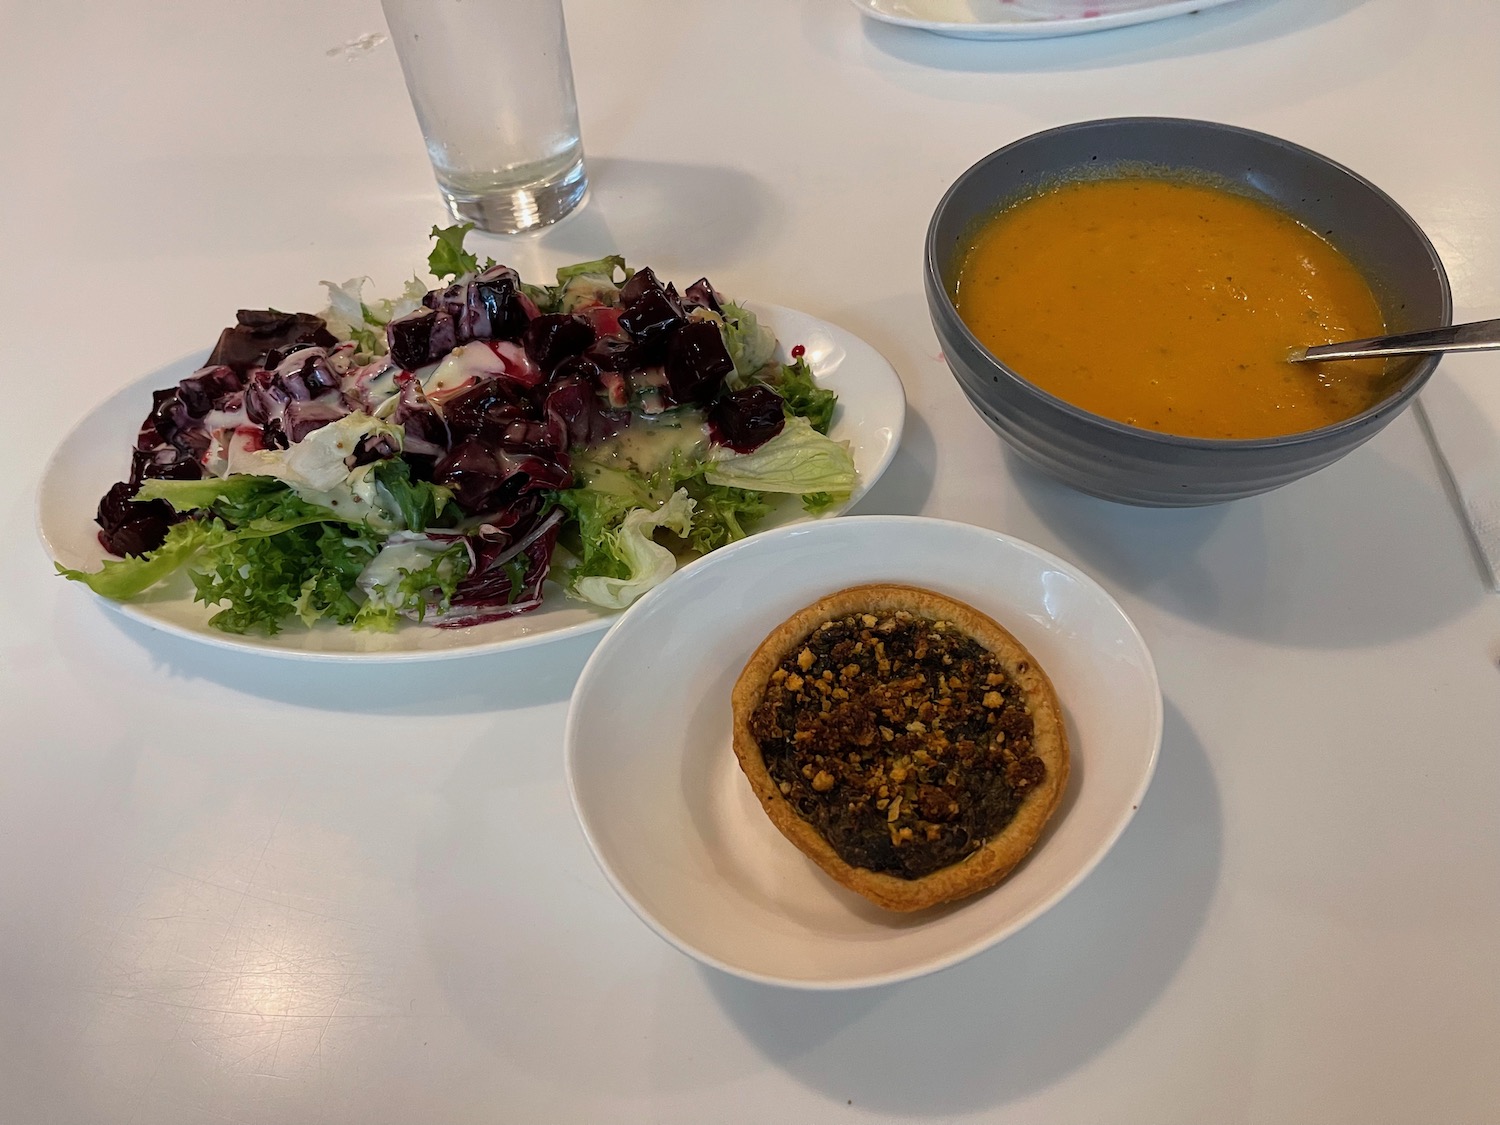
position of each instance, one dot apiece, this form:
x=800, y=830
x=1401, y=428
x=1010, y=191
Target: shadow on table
x=1020, y=1016
x=476, y=684
x=695, y=217
x=1358, y=554
x=907, y=483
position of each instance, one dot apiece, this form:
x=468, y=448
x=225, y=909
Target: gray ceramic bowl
x=1121, y=462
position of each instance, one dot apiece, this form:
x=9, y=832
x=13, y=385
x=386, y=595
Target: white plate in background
x=1024, y=19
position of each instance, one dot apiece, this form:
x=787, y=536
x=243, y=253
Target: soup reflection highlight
x=1171, y=306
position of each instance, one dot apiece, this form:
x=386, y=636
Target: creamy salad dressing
x=644, y=445
x=468, y=363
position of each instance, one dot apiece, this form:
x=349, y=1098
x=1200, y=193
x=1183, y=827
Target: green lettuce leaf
x=307, y=571
x=803, y=397
x=449, y=259
x=798, y=460
x=598, y=509
x=816, y=503
x=411, y=576
x=256, y=547
x=418, y=504
x=720, y=514
x=350, y=317
x=751, y=344
x=641, y=561
x=599, y=267
x=125, y=578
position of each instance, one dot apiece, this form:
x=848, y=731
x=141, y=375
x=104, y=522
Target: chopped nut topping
x=901, y=740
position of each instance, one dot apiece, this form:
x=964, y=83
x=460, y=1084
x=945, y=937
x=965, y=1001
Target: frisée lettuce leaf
x=640, y=561
x=256, y=546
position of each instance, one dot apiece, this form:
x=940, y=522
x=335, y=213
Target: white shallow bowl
x=676, y=828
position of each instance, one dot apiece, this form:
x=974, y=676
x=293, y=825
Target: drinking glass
x=492, y=85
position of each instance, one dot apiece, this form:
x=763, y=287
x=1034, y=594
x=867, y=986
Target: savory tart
x=904, y=741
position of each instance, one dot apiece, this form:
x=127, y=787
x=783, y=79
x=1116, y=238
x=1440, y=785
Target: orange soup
x=1172, y=306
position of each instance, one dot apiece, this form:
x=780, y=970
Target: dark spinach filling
x=902, y=741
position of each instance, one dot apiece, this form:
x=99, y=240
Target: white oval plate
x=1024, y=19
x=870, y=414
x=676, y=828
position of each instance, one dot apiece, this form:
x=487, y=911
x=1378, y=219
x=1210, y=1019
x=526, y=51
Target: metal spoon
x=1479, y=336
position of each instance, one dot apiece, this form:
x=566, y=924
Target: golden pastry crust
x=981, y=868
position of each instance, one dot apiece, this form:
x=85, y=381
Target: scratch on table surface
x=357, y=47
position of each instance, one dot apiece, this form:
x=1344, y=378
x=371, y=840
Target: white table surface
x=244, y=890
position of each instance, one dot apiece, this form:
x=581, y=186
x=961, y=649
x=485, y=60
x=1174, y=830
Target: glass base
x=513, y=208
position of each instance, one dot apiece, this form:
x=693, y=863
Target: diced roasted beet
x=575, y=402
x=147, y=437
x=407, y=337
x=472, y=469
x=420, y=337
x=483, y=476
x=177, y=428
x=578, y=367
x=474, y=319
x=305, y=374
x=697, y=362
x=265, y=398
x=449, y=299
x=700, y=294
x=303, y=417
x=192, y=443
x=553, y=338
x=259, y=331
x=205, y=388
x=277, y=356
x=274, y=435
x=168, y=413
x=129, y=527
x=651, y=318
x=375, y=447
x=165, y=462
x=484, y=408
x=497, y=291
x=427, y=433
x=744, y=420
x=641, y=282
x=613, y=353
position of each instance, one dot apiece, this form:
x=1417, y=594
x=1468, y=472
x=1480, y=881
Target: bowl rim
x=939, y=299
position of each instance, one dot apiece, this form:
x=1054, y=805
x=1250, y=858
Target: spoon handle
x=1481, y=335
